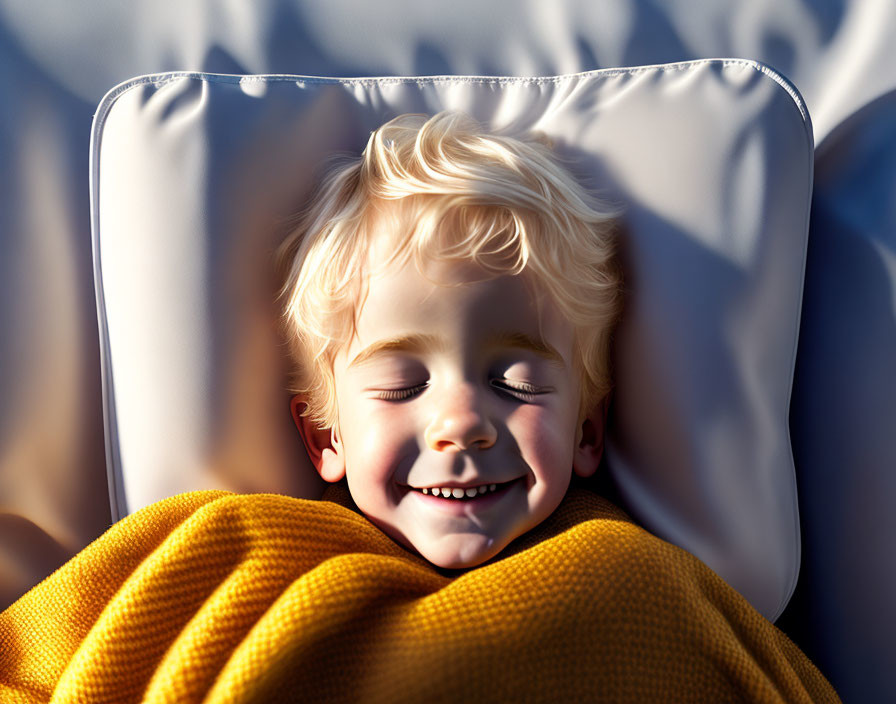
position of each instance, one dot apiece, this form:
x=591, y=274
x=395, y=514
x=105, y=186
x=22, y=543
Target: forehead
x=399, y=294
x=455, y=301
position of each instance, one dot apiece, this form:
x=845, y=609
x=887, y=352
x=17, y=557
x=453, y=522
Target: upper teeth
x=459, y=493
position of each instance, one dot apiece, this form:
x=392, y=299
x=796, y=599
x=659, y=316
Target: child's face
x=454, y=389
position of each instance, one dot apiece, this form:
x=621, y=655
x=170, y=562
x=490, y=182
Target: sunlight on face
x=466, y=390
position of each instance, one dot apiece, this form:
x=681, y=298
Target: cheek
x=543, y=436
x=379, y=439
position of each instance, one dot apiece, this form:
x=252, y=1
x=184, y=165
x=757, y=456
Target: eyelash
x=518, y=389
x=400, y=394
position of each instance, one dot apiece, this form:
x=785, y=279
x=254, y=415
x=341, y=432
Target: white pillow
x=193, y=176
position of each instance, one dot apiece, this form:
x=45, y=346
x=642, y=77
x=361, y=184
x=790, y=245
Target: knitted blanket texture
x=219, y=597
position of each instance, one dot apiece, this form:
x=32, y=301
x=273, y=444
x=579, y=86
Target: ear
x=590, y=447
x=323, y=445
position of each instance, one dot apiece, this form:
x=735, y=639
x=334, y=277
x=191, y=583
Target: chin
x=464, y=559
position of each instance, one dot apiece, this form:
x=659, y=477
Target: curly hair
x=443, y=188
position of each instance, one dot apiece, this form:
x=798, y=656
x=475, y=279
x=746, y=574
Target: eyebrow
x=520, y=340
x=404, y=343
x=430, y=343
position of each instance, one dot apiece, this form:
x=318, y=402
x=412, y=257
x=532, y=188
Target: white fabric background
x=57, y=59
x=711, y=161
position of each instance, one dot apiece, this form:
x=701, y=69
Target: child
x=452, y=294
x=450, y=301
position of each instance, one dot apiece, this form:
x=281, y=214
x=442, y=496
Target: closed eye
x=400, y=394
x=521, y=390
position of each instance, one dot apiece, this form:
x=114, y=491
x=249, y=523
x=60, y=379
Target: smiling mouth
x=458, y=493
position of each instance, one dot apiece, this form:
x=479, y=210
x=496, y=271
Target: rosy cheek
x=527, y=427
x=536, y=431
x=387, y=437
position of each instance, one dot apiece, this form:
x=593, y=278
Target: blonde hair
x=459, y=194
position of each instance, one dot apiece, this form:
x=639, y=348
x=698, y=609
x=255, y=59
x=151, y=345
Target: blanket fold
x=217, y=597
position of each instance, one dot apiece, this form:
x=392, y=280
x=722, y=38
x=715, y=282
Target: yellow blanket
x=216, y=597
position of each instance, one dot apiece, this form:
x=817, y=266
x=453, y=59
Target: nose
x=459, y=422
